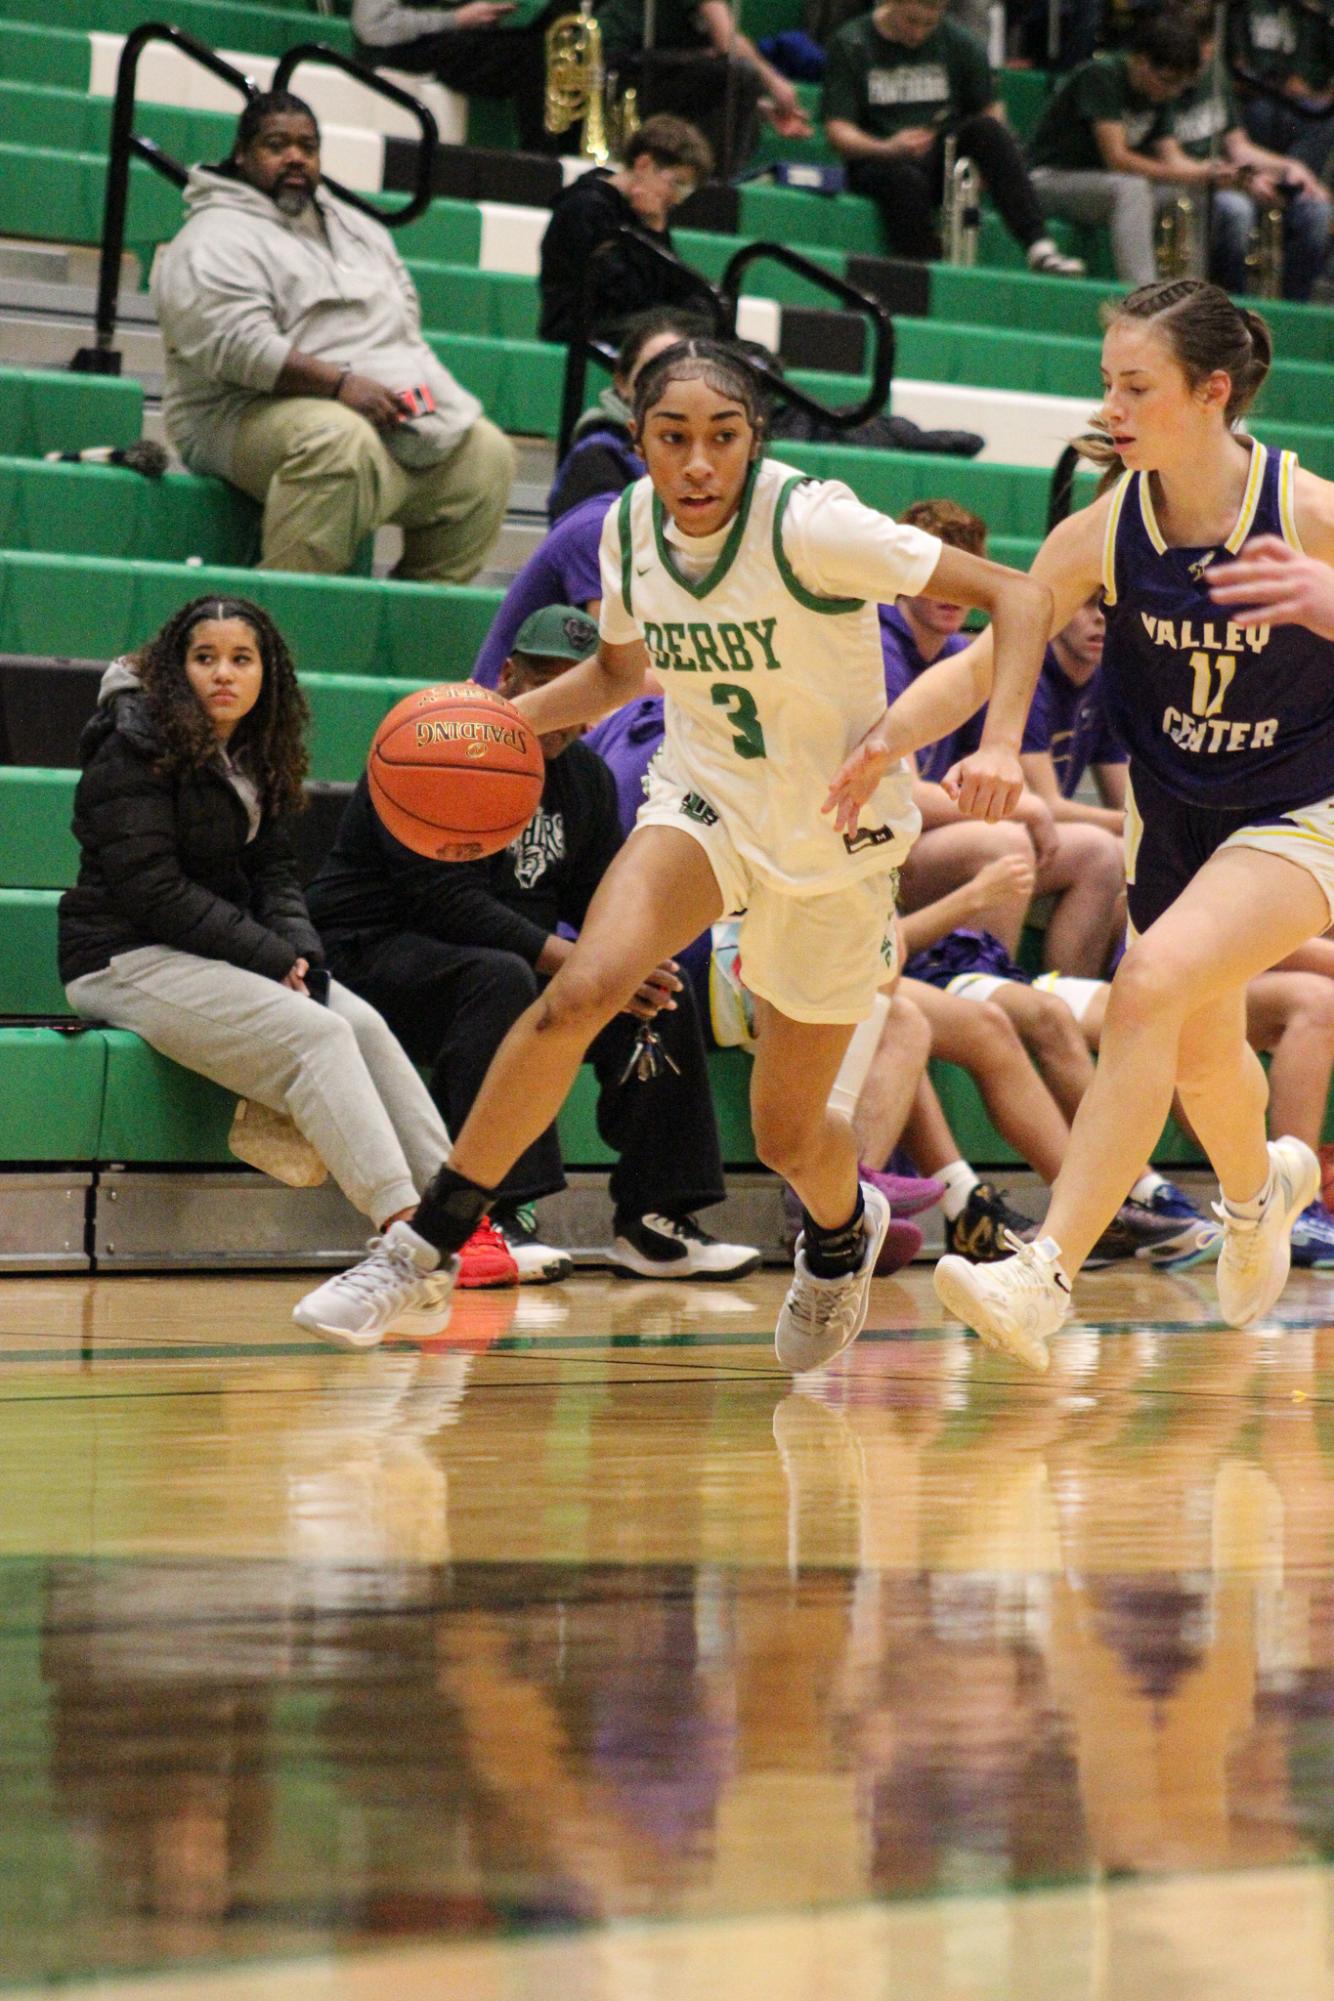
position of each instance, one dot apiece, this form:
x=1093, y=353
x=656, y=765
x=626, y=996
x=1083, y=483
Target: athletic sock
x=960, y=1181
x=450, y=1211
x=1250, y=1212
x=1147, y=1187
x=835, y=1253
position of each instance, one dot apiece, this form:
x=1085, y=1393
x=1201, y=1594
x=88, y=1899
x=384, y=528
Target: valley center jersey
x=1218, y=714
x=771, y=665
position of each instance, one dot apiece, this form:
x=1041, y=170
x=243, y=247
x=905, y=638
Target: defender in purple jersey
x=1229, y=726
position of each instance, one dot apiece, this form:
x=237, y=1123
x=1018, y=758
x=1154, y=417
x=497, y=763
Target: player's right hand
x=987, y=785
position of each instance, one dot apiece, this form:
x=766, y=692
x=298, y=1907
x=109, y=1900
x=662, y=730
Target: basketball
x=455, y=772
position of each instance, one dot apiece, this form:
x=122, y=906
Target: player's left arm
x=1271, y=583
x=607, y=680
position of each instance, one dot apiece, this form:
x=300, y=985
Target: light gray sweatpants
x=337, y=1071
x=1126, y=203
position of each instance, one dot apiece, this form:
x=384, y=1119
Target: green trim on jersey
x=727, y=555
x=799, y=591
x=627, y=567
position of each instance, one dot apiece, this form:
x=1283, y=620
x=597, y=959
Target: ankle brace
x=835, y=1253
x=450, y=1211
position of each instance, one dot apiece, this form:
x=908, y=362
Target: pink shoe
x=902, y=1243
x=905, y=1193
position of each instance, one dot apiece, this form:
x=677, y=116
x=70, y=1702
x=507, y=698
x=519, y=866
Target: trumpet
x=576, y=87
x=1179, y=246
x=1264, y=257
x=963, y=205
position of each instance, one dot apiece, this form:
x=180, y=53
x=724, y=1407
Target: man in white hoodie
x=296, y=367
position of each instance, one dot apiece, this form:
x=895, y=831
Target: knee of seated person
x=335, y=439
x=1312, y=1007
x=906, y=1038
x=1053, y=1028
x=503, y=981
x=995, y=1028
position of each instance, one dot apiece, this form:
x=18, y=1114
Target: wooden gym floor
x=579, y=1654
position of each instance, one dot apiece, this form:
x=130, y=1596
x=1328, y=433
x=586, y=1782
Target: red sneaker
x=485, y=1259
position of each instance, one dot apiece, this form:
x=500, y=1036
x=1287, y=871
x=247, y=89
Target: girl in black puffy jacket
x=188, y=924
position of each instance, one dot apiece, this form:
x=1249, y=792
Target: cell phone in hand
x=317, y=984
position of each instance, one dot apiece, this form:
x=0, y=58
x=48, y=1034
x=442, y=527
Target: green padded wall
x=37, y=849
x=29, y=982
x=108, y=511
x=42, y=410
x=50, y=1095
x=153, y=1110
x=93, y=608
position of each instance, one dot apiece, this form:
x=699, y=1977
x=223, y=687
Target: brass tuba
x=577, y=82
x=963, y=205
x=1179, y=246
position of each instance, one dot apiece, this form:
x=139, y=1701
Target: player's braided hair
x=270, y=741
x=720, y=363
x=1206, y=331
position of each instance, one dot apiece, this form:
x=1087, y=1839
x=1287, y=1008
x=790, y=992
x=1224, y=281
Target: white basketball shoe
x=1014, y=1305
x=822, y=1316
x=399, y=1287
x=1253, y=1263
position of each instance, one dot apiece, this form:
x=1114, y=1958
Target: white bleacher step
x=1021, y=428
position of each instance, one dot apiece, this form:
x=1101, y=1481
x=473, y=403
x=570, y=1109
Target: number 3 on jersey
x=747, y=734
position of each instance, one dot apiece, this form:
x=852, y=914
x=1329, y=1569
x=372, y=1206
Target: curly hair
x=269, y=742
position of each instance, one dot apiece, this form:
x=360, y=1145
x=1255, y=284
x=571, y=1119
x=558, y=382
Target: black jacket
x=511, y=902
x=165, y=861
x=627, y=280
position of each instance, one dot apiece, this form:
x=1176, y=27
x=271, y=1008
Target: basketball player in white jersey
x=751, y=591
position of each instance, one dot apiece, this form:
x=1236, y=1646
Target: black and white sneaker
x=655, y=1246
x=539, y=1263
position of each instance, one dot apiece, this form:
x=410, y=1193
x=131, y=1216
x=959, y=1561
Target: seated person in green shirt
x=1206, y=123
x=898, y=81
x=703, y=68
x=1288, y=46
x=1095, y=150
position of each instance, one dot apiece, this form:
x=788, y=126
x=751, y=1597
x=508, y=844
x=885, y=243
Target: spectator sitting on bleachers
x=1094, y=152
x=1068, y=732
x=454, y=953
x=897, y=80
x=296, y=367
x=1079, y=865
x=602, y=457
x=187, y=924
x=703, y=68
x=586, y=263
x=469, y=49
x=1290, y=47
x=1205, y=119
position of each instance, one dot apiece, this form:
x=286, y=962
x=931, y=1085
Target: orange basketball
x=455, y=772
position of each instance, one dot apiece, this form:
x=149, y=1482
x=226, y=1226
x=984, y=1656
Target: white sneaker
x=656, y=1246
x=539, y=1263
x=1043, y=256
x=822, y=1316
x=400, y=1287
x=1012, y=1305
x=1253, y=1263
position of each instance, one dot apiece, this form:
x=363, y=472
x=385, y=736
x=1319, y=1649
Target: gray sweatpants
x=337, y=1071
x=1126, y=203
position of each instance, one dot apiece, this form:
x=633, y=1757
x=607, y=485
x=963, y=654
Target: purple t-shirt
x=563, y=569
x=1071, y=722
x=903, y=663
x=627, y=740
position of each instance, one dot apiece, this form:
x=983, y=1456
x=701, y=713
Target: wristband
x=337, y=389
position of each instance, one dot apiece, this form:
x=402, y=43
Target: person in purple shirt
x=1079, y=865
x=563, y=569
x=1068, y=731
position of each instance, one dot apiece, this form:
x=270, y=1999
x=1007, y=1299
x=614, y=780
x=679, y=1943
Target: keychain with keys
x=648, y=1056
